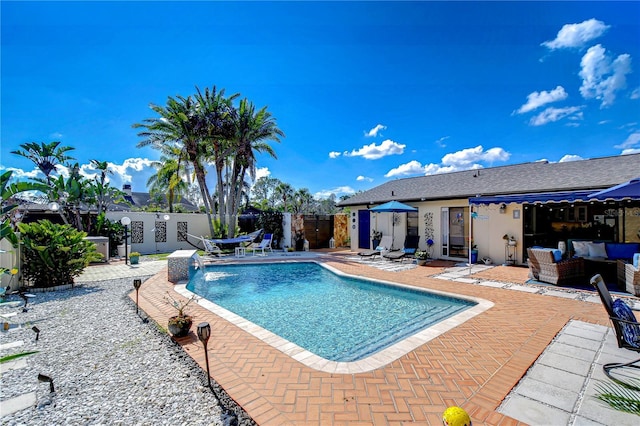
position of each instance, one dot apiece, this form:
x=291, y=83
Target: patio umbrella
x=393, y=207
x=627, y=190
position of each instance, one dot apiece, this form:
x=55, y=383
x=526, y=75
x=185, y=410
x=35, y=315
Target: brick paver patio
x=474, y=366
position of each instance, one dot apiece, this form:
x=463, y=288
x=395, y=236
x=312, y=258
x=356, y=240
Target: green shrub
x=54, y=254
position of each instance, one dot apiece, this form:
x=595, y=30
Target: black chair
x=625, y=326
x=408, y=251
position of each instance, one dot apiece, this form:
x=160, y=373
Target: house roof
x=591, y=174
x=143, y=199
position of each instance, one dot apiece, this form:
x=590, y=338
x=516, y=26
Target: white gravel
x=107, y=365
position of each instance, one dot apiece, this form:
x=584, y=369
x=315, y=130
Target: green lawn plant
x=54, y=254
x=620, y=397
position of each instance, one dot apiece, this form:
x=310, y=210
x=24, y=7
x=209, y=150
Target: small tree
x=54, y=254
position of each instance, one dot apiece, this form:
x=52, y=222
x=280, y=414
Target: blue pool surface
x=338, y=318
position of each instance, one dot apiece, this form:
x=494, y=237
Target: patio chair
x=210, y=248
x=385, y=244
x=409, y=250
x=625, y=326
x=263, y=245
x=545, y=267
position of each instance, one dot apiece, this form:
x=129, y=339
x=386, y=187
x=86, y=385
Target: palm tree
x=101, y=185
x=252, y=130
x=168, y=180
x=302, y=201
x=285, y=192
x=179, y=125
x=216, y=129
x=46, y=156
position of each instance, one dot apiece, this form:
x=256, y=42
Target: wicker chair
x=543, y=267
x=628, y=277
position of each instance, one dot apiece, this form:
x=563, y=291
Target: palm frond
x=620, y=397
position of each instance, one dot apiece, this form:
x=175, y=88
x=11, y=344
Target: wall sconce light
x=37, y=331
x=136, y=284
x=503, y=208
x=47, y=379
x=204, y=332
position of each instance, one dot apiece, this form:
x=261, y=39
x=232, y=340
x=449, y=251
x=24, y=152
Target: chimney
x=126, y=188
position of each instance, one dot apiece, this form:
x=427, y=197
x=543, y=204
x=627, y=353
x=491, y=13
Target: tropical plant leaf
x=620, y=397
x=8, y=358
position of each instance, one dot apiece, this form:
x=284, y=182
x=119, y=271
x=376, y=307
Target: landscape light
x=136, y=284
x=47, y=379
x=204, y=332
x=37, y=331
x=126, y=222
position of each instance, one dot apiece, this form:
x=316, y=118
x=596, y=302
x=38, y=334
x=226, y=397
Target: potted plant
x=509, y=239
x=376, y=236
x=179, y=324
x=134, y=257
x=422, y=257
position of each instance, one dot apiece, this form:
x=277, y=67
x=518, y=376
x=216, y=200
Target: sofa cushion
x=617, y=251
x=597, y=250
x=557, y=255
x=581, y=248
x=631, y=332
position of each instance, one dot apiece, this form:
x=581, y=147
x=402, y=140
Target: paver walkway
x=476, y=365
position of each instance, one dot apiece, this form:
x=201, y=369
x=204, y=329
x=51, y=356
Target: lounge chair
x=385, y=245
x=263, y=245
x=409, y=250
x=625, y=326
x=210, y=248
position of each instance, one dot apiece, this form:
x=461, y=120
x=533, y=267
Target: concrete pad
x=598, y=411
x=534, y=412
x=554, y=396
x=572, y=351
x=579, y=342
x=525, y=288
x=11, y=345
x=18, y=403
x=563, y=294
x=560, y=378
x=13, y=365
x=566, y=363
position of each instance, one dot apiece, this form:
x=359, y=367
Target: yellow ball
x=455, y=416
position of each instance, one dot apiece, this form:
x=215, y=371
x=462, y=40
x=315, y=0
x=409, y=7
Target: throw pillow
x=597, y=250
x=636, y=260
x=581, y=248
x=381, y=248
x=631, y=332
x=557, y=255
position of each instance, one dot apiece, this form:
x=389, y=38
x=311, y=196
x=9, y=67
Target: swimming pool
x=337, y=318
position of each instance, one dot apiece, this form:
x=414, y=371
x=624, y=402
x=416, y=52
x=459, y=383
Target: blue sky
x=364, y=91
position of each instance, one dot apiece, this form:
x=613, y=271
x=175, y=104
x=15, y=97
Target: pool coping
x=372, y=362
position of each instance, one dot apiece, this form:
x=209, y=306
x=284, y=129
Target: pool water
x=338, y=318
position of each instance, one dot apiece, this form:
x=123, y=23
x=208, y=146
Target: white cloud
x=554, y=114
x=364, y=178
x=538, y=99
x=630, y=142
x=340, y=190
x=262, y=172
x=461, y=160
x=577, y=35
x=570, y=157
x=635, y=94
x=57, y=136
x=411, y=168
x=602, y=77
x=465, y=159
x=19, y=174
x=630, y=151
x=440, y=142
x=374, y=132
x=374, y=152
x=334, y=154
